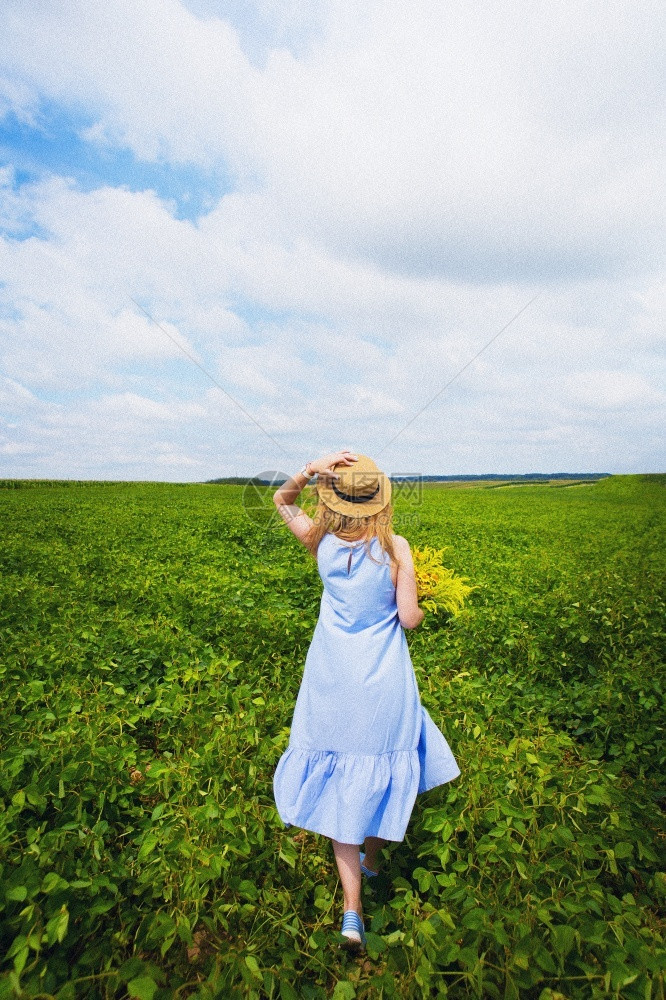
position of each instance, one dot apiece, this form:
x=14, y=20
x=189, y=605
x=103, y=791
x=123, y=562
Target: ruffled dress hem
x=349, y=796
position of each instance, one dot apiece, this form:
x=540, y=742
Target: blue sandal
x=367, y=871
x=353, y=930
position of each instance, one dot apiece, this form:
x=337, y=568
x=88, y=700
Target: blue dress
x=361, y=745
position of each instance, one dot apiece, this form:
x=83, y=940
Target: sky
x=238, y=236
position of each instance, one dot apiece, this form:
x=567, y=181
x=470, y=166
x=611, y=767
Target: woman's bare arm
x=409, y=612
x=295, y=518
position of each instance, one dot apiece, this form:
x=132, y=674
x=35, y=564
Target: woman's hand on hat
x=324, y=467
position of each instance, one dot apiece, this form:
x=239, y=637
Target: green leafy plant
x=153, y=640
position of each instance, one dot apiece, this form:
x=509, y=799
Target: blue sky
x=52, y=143
x=331, y=208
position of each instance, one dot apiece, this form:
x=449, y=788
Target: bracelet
x=304, y=472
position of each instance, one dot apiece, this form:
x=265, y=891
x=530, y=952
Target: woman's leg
x=372, y=846
x=348, y=860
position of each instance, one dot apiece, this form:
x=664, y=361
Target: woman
x=361, y=745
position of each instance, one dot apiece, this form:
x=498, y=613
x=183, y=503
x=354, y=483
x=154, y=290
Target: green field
x=153, y=639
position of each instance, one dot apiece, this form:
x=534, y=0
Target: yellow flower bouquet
x=438, y=588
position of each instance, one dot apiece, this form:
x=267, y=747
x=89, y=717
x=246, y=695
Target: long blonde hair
x=350, y=529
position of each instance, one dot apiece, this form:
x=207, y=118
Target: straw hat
x=361, y=490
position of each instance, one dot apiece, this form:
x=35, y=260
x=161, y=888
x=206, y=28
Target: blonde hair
x=350, y=529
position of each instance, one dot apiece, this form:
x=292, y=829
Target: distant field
x=452, y=484
x=153, y=640
x=485, y=484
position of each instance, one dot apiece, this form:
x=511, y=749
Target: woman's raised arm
x=295, y=518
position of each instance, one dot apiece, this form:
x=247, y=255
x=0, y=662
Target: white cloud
x=13, y=394
x=13, y=448
x=383, y=348
x=510, y=143
x=128, y=405
x=404, y=177
x=608, y=390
